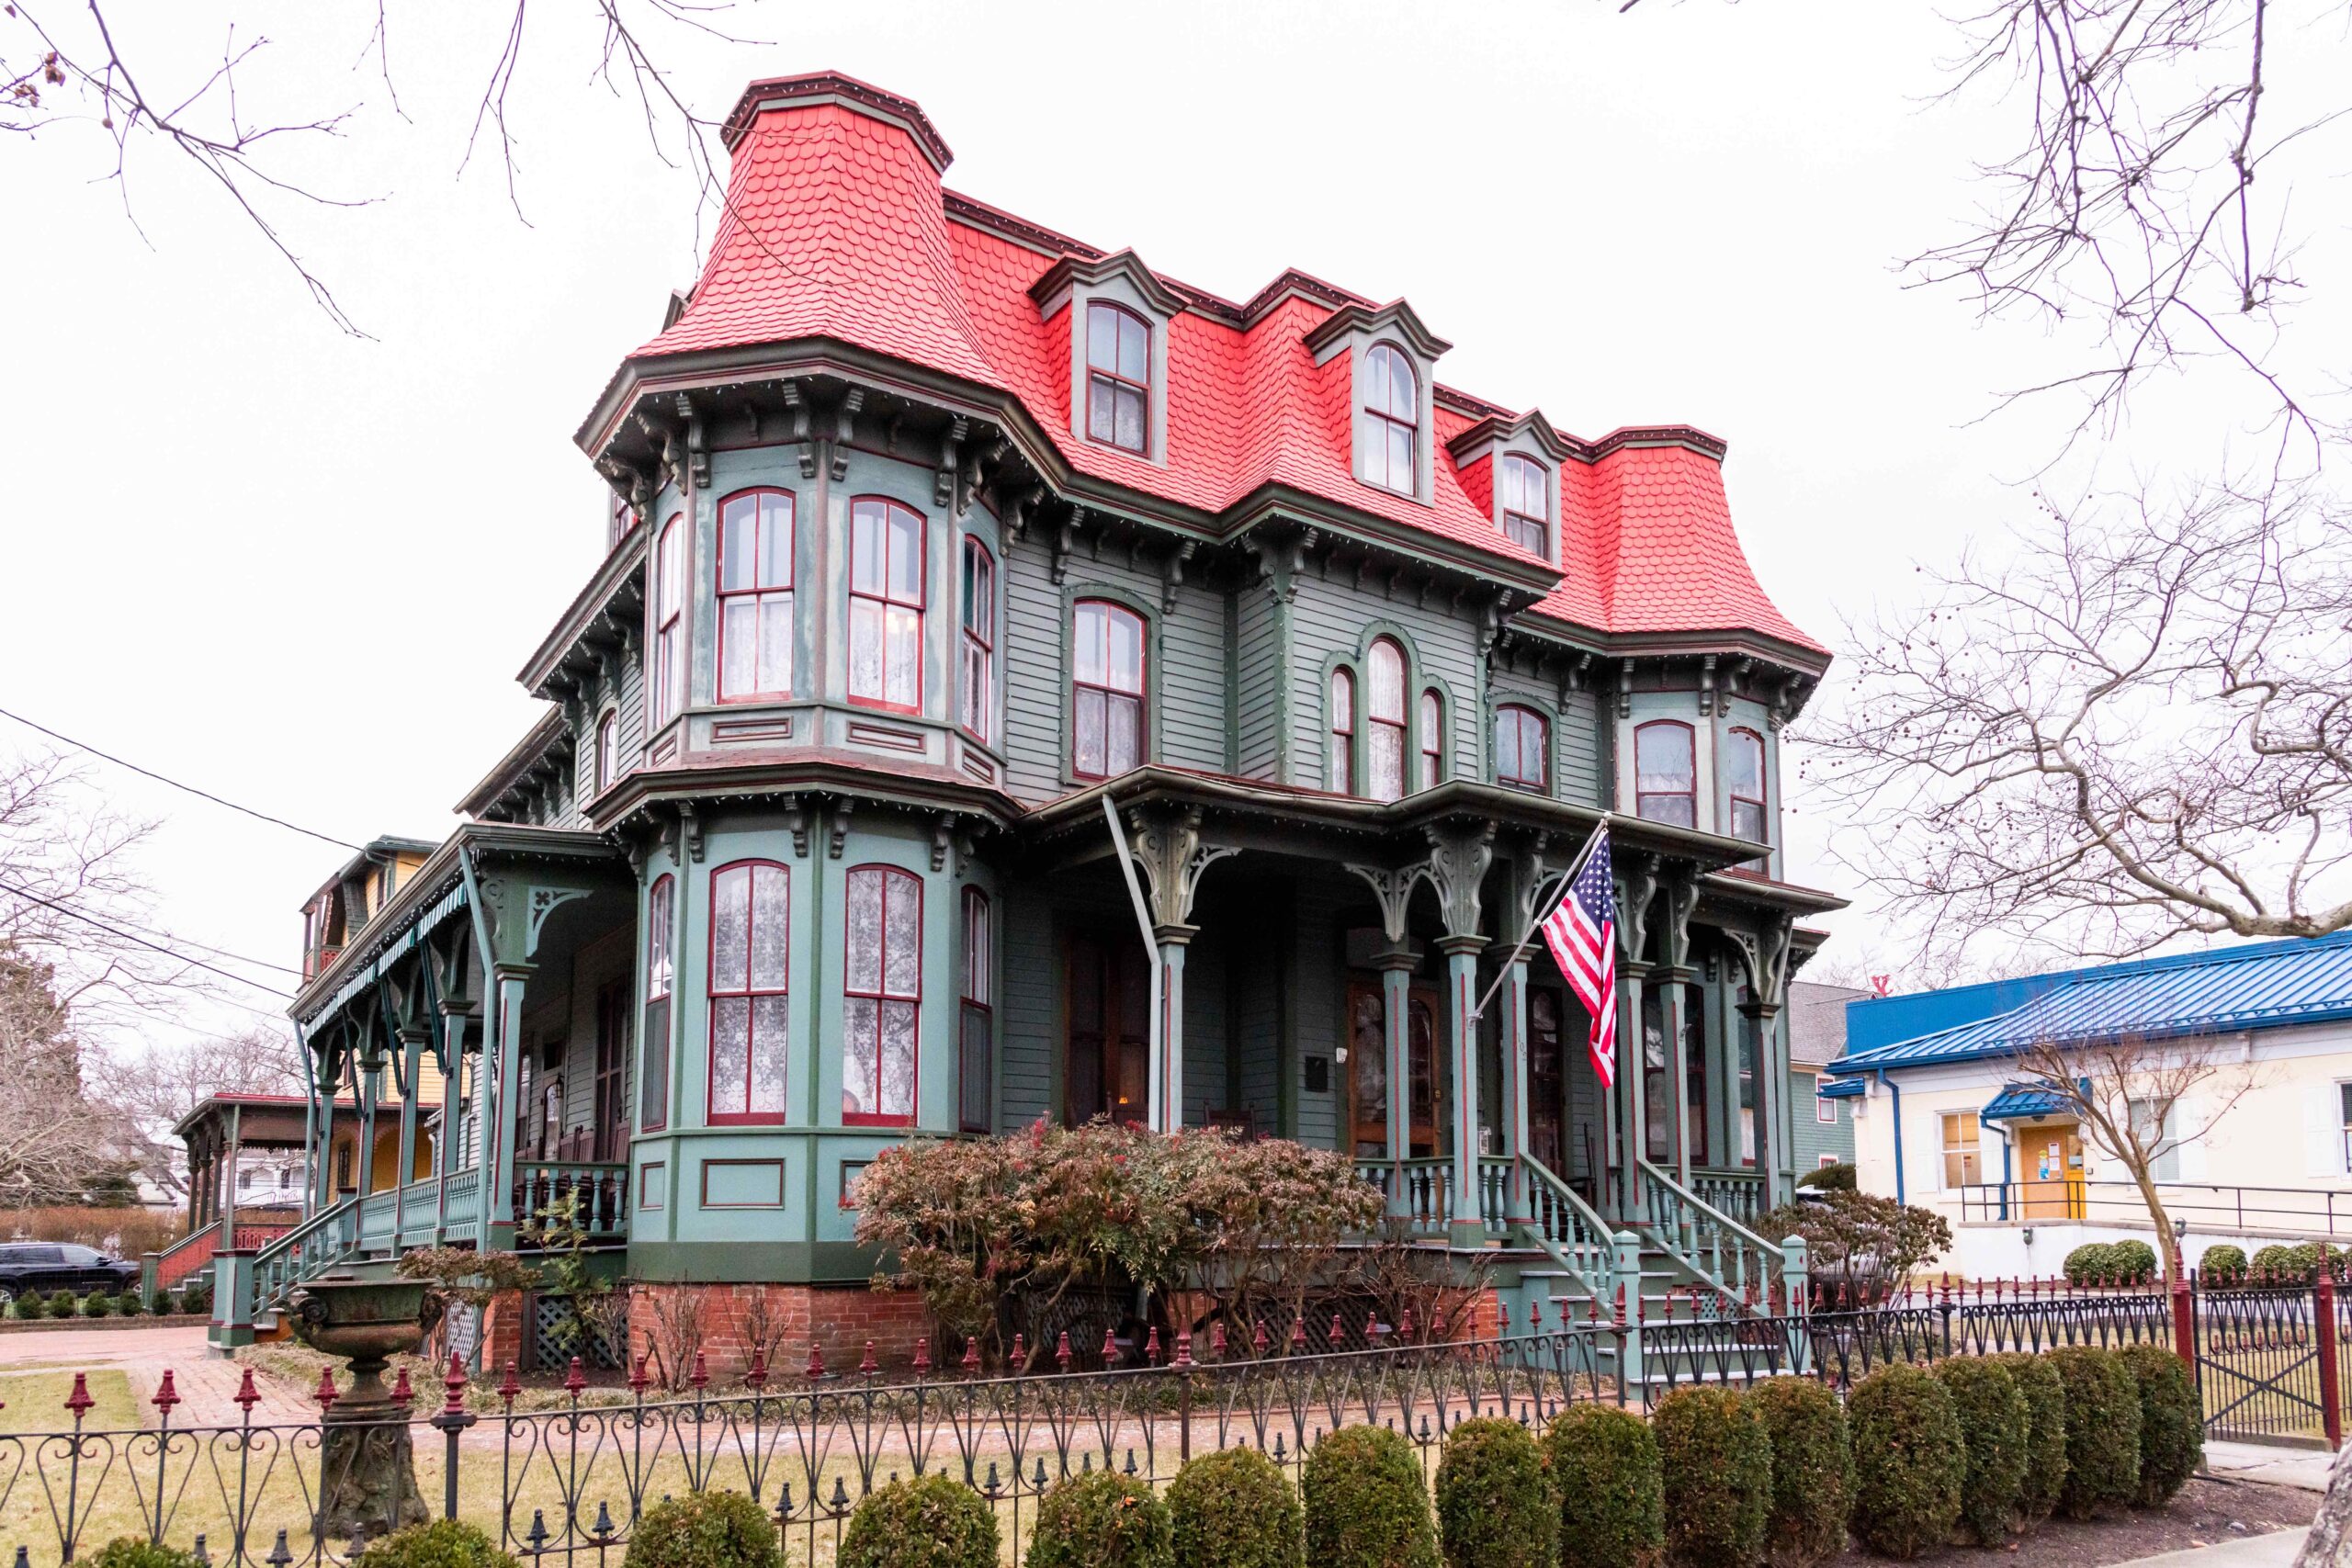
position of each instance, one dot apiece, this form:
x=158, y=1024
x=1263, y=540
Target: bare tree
x=53, y=1137
x=153, y=1088
x=2139, y=1100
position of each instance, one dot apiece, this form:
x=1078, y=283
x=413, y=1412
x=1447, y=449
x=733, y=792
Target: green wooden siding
x=1332, y=616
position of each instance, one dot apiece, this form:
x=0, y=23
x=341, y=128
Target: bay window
x=750, y=976
x=755, y=595
x=653, y=1083
x=1666, y=774
x=666, y=677
x=1522, y=749
x=1743, y=782
x=881, y=995
x=1106, y=690
x=977, y=1024
x=1385, y=740
x=885, y=604
x=977, y=686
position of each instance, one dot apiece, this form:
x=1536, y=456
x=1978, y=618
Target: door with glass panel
x=1106, y=1054
x=1367, y=1075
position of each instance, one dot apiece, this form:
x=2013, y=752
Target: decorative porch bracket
x=1165, y=843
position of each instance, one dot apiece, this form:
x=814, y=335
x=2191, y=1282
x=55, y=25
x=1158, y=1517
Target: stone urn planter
x=366, y=1462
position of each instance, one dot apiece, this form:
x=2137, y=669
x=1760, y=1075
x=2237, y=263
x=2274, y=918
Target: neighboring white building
x=1939, y=1122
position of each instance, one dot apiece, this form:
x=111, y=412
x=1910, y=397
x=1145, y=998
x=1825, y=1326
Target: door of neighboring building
x=1367, y=1076
x=1106, y=1054
x=2051, y=1182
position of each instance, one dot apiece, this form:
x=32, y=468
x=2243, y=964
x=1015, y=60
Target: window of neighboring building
x=1432, y=740
x=1340, y=770
x=653, y=1093
x=1960, y=1167
x=881, y=993
x=1394, y=402
x=755, y=595
x=750, y=1011
x=1522, y=749
x=978, y=682
x=1744, y=781
x=977, y=1022
x=1118, y=377
x=1665, y=774
x=1825, y=1109
x=1106, y=690
x=2160, y=1133
x=667, y=678
x=1385, y=748
x=1527, y=512
x=885, y=601
x=609, y=750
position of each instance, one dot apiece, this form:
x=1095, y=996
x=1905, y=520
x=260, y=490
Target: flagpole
x=1541, y=905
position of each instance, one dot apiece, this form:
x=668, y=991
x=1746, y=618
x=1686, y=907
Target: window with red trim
x=1522, y=749
x=750, y=976
x=977, y=1039
x=978, y=684
x=1393, y=407
x=660, y=974
x=1118, y=377
x=619, y=521
x=881, y=995
x=1743, y=782
x=755, y=594
x=1339, y=769
x=1527, y=509
x=1432, y=740
x=666, y=680
x=1384, y=716
x=1106, y=690
x=1665, y=774
x=609, y=750
x=886, y=602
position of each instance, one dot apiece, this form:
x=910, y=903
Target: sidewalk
x=2275, y=1465
x=2276, y=1549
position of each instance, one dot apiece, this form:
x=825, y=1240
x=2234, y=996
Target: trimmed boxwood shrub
x=128, y=1552
x=1813, y=1475
x=2171, y=1421
x=1366, y=1503
x=196, y=1298
x=2102, y=1432
x=2135, y=1262
x=2221, y=1263
x=2090, y=1263
x=1996, y=1427
x=1496, y=1507
x=1236, y=1509
x=1605, y=1469
x=97, y=1306
x=1909, y=1461
x=444, y=1543
x=28, y=1307
x=1102, y=1519
x=704, y=1529
x=933, y=1521
x=2045, y=1442
x=2275, y=1262
x=1716, y=1464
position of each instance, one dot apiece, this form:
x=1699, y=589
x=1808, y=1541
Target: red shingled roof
x=840, y=228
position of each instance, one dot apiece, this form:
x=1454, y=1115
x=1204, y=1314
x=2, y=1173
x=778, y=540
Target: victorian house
x=1021, y=684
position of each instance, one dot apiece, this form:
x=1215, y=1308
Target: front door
x=1106, y=1053
x=1368, y=1070
x=612, y=1053
x=2053, y=1171
x=1547, y=1082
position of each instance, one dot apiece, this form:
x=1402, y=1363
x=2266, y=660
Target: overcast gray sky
x=300, y=568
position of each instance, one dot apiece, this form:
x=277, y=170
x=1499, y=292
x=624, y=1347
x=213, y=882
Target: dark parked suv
x=52, y=1265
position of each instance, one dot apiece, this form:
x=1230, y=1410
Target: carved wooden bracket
x=1765, y=955
x=1681, y=898
x=1393, y=890
x=1636, y=878
x=1166, y=843
x=1459, y=856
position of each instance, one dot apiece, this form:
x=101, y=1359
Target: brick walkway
x=206, y=1383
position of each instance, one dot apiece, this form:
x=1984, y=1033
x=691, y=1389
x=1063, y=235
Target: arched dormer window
x=1119, y=378
x=1665, y=774
x=1523, y=749
x=1384, y=720
x=1106, y=689
x=1743, y=766
x=667, y=678
x=1527, y=504
x=755, y=595
x=1393, y=403
x=1432, y=739
x=1339, y=767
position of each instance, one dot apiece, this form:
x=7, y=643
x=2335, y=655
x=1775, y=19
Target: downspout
x=1896, y=1092
x=1151, y=948
x=2003, y=1134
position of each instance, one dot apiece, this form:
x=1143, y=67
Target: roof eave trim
x=821, y=88
x=1396, y=316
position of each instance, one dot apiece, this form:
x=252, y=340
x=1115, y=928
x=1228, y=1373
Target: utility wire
x=191, y=789
x=127, y=936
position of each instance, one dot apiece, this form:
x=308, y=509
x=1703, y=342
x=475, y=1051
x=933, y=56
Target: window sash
x=750, y=982
x=1960, y=1150
x=881, y=992
x=886, y=606
x=1432, y=740
x=1523, y=749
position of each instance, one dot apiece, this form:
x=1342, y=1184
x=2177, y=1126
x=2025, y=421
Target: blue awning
x=1840, y=1088
x=2019, y=1099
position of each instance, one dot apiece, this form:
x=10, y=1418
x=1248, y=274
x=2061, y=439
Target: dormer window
x=1119, y=378
x=1393, y=406
x=1526, y=504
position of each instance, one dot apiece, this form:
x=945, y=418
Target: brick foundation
x=501, y=1331
x=837, y=1320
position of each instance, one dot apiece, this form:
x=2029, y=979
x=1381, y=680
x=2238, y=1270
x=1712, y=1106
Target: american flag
x=1581, y=931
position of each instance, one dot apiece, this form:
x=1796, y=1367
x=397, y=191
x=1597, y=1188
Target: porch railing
x=1739, y=1193
x=191, y=1254
x=599, y=1189
x=1740, y=1266
x=257, y=1284
x=1568, y=1229
x=2313, y=1212
x=461, y=1202
x=1421, y=1192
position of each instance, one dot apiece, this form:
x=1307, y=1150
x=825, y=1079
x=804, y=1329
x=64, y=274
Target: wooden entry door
x=1547, y=1081
x=2053, y=1177
x=612, y=1072
x=1106, y=1052
x=1367, y=1077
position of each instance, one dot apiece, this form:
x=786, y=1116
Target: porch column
x=236, y=1148
x=1469, y=1226
x=310, y=1130
x=1514, y=1116
x=412, y=1039
x=1631, y=1099
x=323, y=1173
x=453, y=1051
x=1397, y=965
x=1674, y=1014
x=1172, y=941
x=371, y=1088
x=502, y=1066
x=1772, y=1132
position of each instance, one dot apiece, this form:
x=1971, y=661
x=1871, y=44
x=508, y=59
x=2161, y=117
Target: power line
x=191, y=789
x=127, y=936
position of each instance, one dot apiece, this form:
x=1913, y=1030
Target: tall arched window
x=667, y=678
x=1340, y=768
x=1106, y=690
x=1527, y=508
x=1385, y=714
x=608, y=750
x=749, y=1012
x=885, y=600
x=1118, y=377
x=1432, y=739
x=978, y=684
x=977, y=1026
x=1393, y=405
x=881, y=995
x=1666, y=775
x=755, y=595
x=1522, y=749
x=660, y=974
x=1743, y=782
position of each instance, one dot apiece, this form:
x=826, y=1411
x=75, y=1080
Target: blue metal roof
x=2258, y=986
x=1840, y=1088
x=2021, y=1099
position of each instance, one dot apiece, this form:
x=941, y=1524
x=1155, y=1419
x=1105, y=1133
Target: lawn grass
x=36, y=1399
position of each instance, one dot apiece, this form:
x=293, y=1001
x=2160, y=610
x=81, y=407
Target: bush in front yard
x=2135, y=1263
x=128, y=1552
x=97, y=1306
x=1495, y=1507
x=2102, y=1432
x=28, y=1307
x=2274, y=1263
x=1909, y=1461
x=1236, y=1509
x=1366, y=1503
x=1996, y=1425
x=704, y=1529
x=2221, y=1265
x=1605, y=1471
x=2045, y=1442
x=1715, y=1460
x=1812, y=1476
x=2090, y=1263
x=934, y=1521
x=444, y=1543
x=1102, y=1519
x=2171, y=1421
x=197, y=1299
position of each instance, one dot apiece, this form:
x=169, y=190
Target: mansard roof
x=838, y=228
